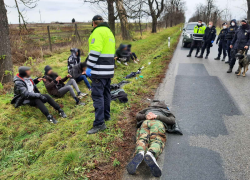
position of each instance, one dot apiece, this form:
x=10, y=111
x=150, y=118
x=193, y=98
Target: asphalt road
x=212, y=109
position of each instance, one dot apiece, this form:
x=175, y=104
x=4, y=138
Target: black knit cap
x=224, y=24
x=22, y=71
x=47, y=69
x=244, y=20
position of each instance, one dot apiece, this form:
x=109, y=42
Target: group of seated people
x=27, y=93
x=124, y=54
x=153, y=122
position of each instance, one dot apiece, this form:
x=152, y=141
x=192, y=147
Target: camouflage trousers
x=151, y=137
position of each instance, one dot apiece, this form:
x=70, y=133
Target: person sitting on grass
x=74, y=58
x=56, y=87
x=153, y=123
x=132, y=54
x=26, y=93
x=122, y=54
x=78, y=72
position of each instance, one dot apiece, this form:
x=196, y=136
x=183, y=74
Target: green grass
x=31, y=148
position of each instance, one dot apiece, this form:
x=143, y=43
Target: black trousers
x=40, y=105
x=229, y=49
x=233, y=58
x=133, y=56
x=222, y=48
x=196, y=43
x=206, y=46
x=101, y=97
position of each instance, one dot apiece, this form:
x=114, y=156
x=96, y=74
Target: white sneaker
x=135, y=62
x=119, y=62
x=136, y=161
x=126, y=64
x=81, y=95
x=150, y=160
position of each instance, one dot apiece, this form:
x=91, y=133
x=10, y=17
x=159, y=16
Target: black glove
x=43, y=99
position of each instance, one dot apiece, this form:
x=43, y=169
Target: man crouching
x=153, y=123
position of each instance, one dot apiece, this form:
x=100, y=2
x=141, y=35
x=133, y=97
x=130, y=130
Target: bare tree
x=107, y=8
x=248, y=11
x=6, y=65
x=156, y=7
x=5, y=50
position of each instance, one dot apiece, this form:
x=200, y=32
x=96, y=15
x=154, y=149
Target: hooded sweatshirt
x=73, y=58
x=121, y=53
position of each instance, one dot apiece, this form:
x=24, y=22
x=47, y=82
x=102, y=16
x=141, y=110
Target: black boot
x=62, y=113
x=78, y=102
x=230, y=70
x=224, y=58
x=201, y=56
x=196, y=55
x=51, y=119
x=96, y=129
x=218, y=58
x=227, y=62
x=206, y=57
x=189, y=55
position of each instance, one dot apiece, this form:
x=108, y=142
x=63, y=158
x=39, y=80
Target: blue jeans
x=83, y=78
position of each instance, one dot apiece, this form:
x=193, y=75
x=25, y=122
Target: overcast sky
x=65, y=10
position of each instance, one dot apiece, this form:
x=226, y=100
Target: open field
x=31, y=148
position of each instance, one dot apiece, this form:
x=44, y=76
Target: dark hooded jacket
x=120, y=53
x=231, y=30
x=76, y=71
x=241, y=38
x=222, y=35
x=21, y=92
x=160, y=109
x=73, y=58
x=210, y=34
x=52, y=85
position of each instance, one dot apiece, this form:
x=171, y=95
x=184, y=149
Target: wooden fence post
x=50, y=45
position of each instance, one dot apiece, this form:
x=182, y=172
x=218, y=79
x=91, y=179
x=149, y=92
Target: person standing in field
x=100, y=63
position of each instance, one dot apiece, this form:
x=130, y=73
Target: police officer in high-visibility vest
x=199, y=32
x=101, y=66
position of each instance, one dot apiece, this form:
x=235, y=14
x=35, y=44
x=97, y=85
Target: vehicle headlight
x=188, y=35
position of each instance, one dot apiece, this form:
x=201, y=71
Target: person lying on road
x=56, y=87
x=78, y=72
x=153, y=123
x=26, y=93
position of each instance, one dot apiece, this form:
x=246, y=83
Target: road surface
x=213, y=110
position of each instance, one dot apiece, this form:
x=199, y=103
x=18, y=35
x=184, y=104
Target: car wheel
x=184, y=44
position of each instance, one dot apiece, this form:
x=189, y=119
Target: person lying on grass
x=153, y=123
x=78, y=72
x=56, y=87
x=26, y=93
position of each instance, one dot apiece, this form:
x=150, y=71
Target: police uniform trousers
x=101, y=98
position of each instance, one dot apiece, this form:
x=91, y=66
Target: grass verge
x=31, y=148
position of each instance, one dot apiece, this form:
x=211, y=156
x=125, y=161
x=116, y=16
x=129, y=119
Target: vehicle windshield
x=190, y=26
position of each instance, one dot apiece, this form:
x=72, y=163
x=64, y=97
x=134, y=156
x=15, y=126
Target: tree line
x=161, y=12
